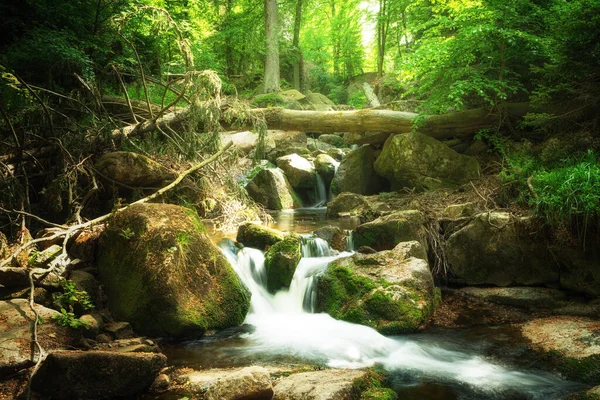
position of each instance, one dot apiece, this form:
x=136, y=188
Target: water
x=284, y=327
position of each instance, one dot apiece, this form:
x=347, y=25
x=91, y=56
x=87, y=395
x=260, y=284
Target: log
x=370, y=95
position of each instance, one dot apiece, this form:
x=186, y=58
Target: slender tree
x=271, y=79
x=298, y=57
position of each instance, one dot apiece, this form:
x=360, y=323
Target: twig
x=43, y=221
x=142, y=75
x=126, y=94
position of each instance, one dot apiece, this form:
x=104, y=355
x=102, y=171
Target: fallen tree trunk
x=447, y=126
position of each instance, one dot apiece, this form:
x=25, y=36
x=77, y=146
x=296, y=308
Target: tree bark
x=298, y=59
x=271, y=81
x=370, y=95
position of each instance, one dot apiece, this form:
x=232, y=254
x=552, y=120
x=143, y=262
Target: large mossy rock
x=580, y=267
x=385, y=232
x=299, y=171
x=350, y=205
x=391, y=291
x=326, y=167
x=97, y=374
x=498, y=249
x=163, y=274
x=281, y=261
x=414, y=160
x=283, y=143
x=356, y=173
x=271, y=188
x=132, y=169
x=258, y=236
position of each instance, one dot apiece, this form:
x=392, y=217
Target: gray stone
x=334, y=140
x=132, y=169
x=326, y=167
x=356, y=173
x=334, y=384
x=271, y=188
x=251, y=383
x=258, y=236
x=119, y=330
x=384, y=233
x=299, y=171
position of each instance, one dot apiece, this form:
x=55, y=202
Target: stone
x=103, y=338
x=457, y=211
x=258, y=236
x=281, y=261
x=391, y=291
x=133, y=169
x=580, y=267
x=366, y=137
x=299, y=171
x=119, y=330
x=87, y=282
x=336, y=154
x=16, y=323
x=271, y=188
x=326, y=167
x=334, y=140
x=350, y=204
x=92, y=324
x=356, y=173
x=292, y=95
x=497, y=249
x=524, y=297
x=570, y=344
x=14, y=277
x=317, y=144
x=85, y=244
x=318, y=98
x=285, y=143
x=96, y=374
x=476, y=148
x=335, y=236
x=251, y=383
x=4, y=252
x=43, y=258
x=161, y=382
x=333, y=384
x=418, y=161
x=384, y=233
x=176, y=282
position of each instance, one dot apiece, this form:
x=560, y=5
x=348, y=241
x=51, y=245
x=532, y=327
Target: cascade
x=320, y=193
x=330, y=195
x=349, y=240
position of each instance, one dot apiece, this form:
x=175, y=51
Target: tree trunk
x=271, y=81
x=370, y=95
x=298, y=59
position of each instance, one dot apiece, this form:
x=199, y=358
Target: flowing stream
x=283, y=327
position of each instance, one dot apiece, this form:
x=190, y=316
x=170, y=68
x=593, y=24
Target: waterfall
x=330, y=195
x=316, y=247
x=349, y=240
x=320, y=193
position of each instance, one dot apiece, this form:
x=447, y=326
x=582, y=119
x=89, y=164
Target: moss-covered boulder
x=326, y=167
x=356, y=173
x=385, y=232
x=496, y=248
x=281, y=261
x=258, y=236
x=350, y=205
x=414, y=160
x=333, y=235
x=284, y=143
x=163, y=274
x=271, y=188
x=569, y=344
x=298, y=170
x=132, y=169
x=336, y=154
x=391, y=291
x=334, y=140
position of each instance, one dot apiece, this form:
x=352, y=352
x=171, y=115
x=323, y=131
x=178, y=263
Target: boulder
x=333, y=235
x=292, y=95
x=87, y=282
x=318, y=98
x=271, y=188
x=332, y=384
x=132, y=169
x=356, y=173
x=350, y=204
x=14, y=277
x=119, y=330
x=317, y=144
x=498, y=249
x=96, y=374
x=384, y=233
x=326, y=167
x=251, y=383
x=524, y=297
x=391, y=291
x=258, y=236
x=334, y=140
x=580, y=267
x=336, y=154
x=299, y=171
x=569, y=344
x=366, y=137
x=282, y=143
x=414, y=160
x=281, y=261
x=43, y=258
x=85, y=244
x=164, y=275
x=15, y=334
x=458, y=211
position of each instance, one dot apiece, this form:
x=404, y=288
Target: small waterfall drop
x=330, y=195
x=320, y=193
x=349, y=240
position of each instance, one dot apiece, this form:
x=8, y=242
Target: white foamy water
x=284, y=323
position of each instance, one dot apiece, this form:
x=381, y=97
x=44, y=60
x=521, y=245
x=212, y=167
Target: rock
x=271, y=188
x=336, y=154
x=86, y=243
x=161, y=382
x=14, y=277
x=16, y=323
x=251, y=383
x=258, y=236
x=4, y=252
x=333, y=384
x=281, y=261
x=457, y=211
x=570, y=344
x=96, y=374
x=326, y=167
x=356, y=173
x=119, y=330
x=299, y=171
x=316, y=144
x=391, y=291
x=282, y=143
x=318, y=98
x=88, y=283
x=163, y=274
x=497, y=249
x=476, y=148
x=292, y=95
x=384, y=233
x=366, y=137
x=414, y=160
x=103, y=338
x=335, y=236
x=43, y=258
x=334, y=140
x=580, y=267
x=525, y=297
x=350, y=204
x=91, y=325
x=132, y=169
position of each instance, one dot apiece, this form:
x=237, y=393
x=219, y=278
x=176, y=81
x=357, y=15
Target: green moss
x=268, y=100
x=579, y=369
x=370, y=387
x=281, y=261
x=258, y=236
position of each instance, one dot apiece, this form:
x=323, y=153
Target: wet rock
x=161, y=382
x=391, y=291
x=92, y=324
x=119, y=330
x=333, y=384
x=251, y=383
x=414, y=160
x=96, y=374
x=258, y=236
x=334, y=140
x=384, y=233
x=281, y=261
x=271, y=188
x=498, y=249
x=133, y=169
x=336, y=154
x=570, y=344
x=350, y=204
x=16, y=323
x=84, y=246
x=335, y=236
x=356, y=173
x=176, y=282
x=299, y=171
x=525, y=297
x=326, y=166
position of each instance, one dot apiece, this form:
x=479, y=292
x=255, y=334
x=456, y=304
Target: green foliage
x=67, y=319
x=68, y=301
x=127, y=233
x=358, y=100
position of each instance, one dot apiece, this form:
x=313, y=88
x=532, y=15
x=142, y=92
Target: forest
x=298, y=199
